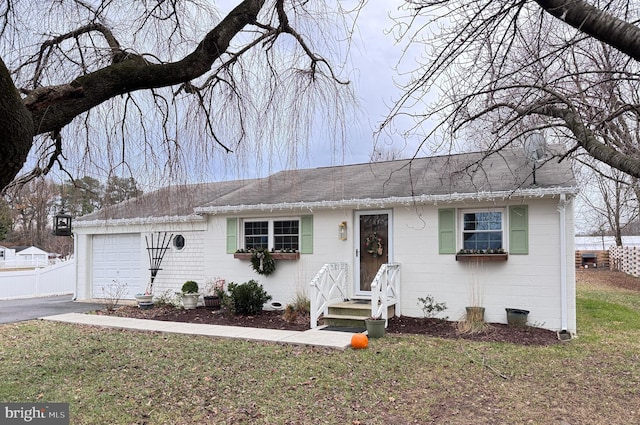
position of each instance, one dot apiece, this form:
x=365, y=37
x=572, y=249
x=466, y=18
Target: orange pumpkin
x=359, y=341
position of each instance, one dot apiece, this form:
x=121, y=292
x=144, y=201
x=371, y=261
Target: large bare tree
x=505, y=69
x=126, y=79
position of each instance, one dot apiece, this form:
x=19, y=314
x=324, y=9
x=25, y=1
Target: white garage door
x=116, y=258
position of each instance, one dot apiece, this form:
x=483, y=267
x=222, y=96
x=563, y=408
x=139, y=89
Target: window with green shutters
x=483, y=230
x=280, y=234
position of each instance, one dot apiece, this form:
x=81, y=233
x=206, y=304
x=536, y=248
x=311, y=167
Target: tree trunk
x=16, y=128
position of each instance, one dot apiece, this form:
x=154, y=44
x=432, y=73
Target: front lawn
x=121, y=377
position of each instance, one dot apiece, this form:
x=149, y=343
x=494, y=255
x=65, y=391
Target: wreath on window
x=262, y=262
x=374, y=245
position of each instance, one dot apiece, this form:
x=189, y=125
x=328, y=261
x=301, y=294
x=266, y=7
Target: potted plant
x=517, y=317
x=190, y=295
x=375, y=326
x=145, y=300
x=213, y=292
x=473, y=321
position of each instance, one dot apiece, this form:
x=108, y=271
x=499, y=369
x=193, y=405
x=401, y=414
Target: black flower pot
x=517, y=317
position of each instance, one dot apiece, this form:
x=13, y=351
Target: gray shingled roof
x=470, y=173
x=443, y=175
x=178, y=200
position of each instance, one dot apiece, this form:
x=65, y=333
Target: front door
x=373, y=250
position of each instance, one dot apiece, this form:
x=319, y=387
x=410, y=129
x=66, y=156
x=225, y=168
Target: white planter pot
x=142, y=298
x=190, y=301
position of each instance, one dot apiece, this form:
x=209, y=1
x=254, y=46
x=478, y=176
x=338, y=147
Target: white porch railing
x=385, y=291
x=329, y=286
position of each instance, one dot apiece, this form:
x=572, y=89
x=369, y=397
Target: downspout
x=562, y=207
x=75, y=266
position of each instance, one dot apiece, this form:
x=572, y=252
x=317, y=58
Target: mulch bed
x=524, y=335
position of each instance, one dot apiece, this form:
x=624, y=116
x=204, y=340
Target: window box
x=274, y=255
x=482, y=257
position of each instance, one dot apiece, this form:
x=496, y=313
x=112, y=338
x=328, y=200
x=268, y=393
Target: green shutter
x=306, y=234
x=232, y=235
x=519, y=229
x=447, y=231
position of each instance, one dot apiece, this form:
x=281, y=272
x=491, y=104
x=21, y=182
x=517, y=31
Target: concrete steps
x=350, y=314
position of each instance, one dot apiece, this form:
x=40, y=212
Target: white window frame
x=503, y=221
x=270, y=230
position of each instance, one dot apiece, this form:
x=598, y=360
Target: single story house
x=23, y=256
x=465, y=229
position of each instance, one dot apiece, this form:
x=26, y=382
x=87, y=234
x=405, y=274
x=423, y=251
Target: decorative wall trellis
x=156, y=250
x=625, y=259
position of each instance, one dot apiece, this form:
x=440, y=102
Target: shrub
x=112, y=294
x=247, y=298
x=430, y=308
x=301, y=306
x=301, y=303
x=167, y=299
x=290, y=313
x=190, y=287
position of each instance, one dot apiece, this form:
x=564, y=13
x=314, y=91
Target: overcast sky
x=370, y=68
x=374, y=55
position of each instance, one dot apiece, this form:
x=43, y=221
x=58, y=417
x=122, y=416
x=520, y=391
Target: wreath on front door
x=374, y=245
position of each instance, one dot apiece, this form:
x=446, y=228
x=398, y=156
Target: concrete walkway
x=314, y=337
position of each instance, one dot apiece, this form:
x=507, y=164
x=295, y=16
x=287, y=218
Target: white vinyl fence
x=20, y=261
x=58, y=279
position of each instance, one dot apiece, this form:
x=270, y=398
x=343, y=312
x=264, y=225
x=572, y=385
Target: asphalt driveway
x=33, y=308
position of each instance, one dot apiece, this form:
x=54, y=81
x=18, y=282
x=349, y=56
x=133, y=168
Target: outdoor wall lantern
x=62, y=224
x=342, y=231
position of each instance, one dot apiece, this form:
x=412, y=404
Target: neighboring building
x=23, y=256
x=592, y=252
x=418, y=213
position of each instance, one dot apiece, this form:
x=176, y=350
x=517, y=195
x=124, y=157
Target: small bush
x=247, y=298
x=190, y=287
x=290, y=313
x=167, y=299
x=112, y=294
x=301, y=303
x=431, y=308
x=300, y=306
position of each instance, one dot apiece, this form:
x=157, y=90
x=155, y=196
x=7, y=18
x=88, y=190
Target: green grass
x=121, y=377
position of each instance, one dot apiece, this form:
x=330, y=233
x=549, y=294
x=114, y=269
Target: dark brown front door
x=374, y=248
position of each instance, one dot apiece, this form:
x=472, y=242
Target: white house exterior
x=423, y=211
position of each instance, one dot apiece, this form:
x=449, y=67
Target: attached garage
x=116, y=258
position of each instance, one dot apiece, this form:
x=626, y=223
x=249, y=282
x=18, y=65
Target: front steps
x=351, y=314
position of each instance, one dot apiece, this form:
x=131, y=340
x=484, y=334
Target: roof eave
x=192, y=218
x=386, y=202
